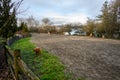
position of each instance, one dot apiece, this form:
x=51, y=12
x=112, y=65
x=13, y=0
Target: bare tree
x=47, y=24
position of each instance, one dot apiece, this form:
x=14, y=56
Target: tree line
x=105, y=24
x=47, y=26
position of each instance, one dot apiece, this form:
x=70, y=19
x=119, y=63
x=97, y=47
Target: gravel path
x=90, y=58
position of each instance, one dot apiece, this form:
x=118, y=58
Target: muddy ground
x=90, y=58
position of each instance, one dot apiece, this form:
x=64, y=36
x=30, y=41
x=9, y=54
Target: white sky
x=62, y=11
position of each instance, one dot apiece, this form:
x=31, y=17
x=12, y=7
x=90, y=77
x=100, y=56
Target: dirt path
x=91, y=58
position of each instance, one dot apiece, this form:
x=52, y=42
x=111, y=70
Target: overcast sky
x=62, y=11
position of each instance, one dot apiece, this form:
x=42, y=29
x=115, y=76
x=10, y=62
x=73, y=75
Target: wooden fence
x=17, y=66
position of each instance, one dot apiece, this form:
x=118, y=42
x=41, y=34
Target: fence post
x=5, y=51
x=16, y=55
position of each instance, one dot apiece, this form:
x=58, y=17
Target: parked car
x=78, y=33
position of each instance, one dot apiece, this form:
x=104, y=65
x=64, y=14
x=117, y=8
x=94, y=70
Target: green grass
x=46, y=66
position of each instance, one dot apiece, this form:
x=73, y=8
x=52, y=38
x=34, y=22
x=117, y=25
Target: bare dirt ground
x=91, y=58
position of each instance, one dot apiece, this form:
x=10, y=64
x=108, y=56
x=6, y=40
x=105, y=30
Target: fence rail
x=18, y=68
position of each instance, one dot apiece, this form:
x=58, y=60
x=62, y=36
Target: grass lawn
x=46, y=67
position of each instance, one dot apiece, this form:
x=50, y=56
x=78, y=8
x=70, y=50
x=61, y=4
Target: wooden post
x=5, y=52
x=16, y=56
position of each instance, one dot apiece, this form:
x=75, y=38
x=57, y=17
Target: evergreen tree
x=23, y=27
x=8, y=22
x=105, y=17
